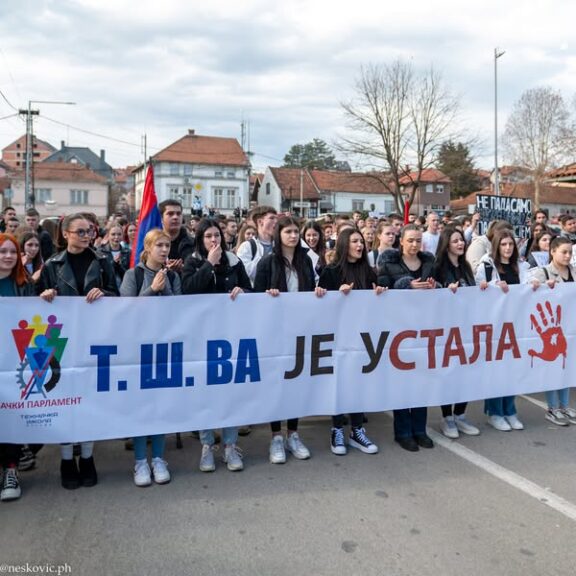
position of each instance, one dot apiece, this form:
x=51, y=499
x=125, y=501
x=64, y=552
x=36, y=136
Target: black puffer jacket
x=270, y=275
x=200, y=277
x=393, y=272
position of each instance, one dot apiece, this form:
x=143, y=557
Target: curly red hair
x=18, y=273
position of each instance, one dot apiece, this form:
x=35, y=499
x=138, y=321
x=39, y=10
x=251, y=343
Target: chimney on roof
x=62, y=144
x=191, y=132
x=103, y=156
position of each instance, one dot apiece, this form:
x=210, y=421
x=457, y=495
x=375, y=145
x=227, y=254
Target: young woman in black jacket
x=452, y=270
x=350, y=271
x=211, y=269
x=410, y=268
x=77, y=271
x=287, y=269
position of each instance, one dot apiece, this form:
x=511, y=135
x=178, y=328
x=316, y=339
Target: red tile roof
x=196, y=149
x=288, y=179
x=39, y=144
x=428, y=175
x=63, y=172
x=354, y=182
x=564, y=172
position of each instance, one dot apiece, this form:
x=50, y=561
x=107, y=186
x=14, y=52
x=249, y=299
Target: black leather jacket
x=57, y=273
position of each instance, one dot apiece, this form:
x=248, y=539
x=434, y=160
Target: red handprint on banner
x=547, y=324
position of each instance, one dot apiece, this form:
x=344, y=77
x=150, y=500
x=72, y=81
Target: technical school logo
x=40, y=349
x=547, y=324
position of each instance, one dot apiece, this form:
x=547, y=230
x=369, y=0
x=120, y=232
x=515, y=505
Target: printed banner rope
x=121, y=367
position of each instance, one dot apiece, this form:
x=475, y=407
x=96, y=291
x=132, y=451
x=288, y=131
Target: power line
x=9, y=116
x=8, y=101
x=92, y=133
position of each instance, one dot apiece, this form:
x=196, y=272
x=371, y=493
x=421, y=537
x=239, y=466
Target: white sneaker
x=570, y=413
x=297, y=447
x=465, y=427
x=499, y=423
x=207, y=463
x=142, y=474
x=233, y=458
x=448, y=428
x=160, y=471
x=277, y=451
x=515, y=424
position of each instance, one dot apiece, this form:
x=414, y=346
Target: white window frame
x=79, y=197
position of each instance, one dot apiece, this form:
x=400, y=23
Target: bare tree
x=539, y=134
x=398, y=121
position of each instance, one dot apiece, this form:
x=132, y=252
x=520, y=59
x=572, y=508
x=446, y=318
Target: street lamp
x=29, y=198
x=497, y=54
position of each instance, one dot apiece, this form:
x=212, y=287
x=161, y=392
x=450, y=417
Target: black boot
x=88, y=475
x=69, y=474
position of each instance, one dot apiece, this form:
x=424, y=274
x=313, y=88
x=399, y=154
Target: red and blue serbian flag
x=149, y=217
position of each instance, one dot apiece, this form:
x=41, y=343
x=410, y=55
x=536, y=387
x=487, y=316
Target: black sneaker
x=358, y=439
x=88, y=475
x=337, y=443
x=10, y=485
x=69, y=475
x=27, y=459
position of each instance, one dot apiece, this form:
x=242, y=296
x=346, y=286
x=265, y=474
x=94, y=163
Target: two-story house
x=62, y=188
x=208, y=170
x=14, y=155
x=432, y=193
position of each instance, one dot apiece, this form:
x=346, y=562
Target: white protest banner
x=72, y=371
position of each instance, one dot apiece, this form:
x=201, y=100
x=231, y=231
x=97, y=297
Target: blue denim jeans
x=158, y=443
x=504, y=406
x=558, y=398
x=229, y=436
x=410, y=422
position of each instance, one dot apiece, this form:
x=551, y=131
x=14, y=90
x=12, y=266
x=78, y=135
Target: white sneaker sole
x=373, y=449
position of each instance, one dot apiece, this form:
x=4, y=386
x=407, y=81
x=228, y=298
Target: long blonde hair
x=149, y=240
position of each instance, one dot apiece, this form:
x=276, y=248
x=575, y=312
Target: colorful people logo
x=40, y=349
x=547, y=325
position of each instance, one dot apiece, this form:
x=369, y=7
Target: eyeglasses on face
x=82, y=233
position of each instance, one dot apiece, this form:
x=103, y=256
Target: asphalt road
x=496, y=504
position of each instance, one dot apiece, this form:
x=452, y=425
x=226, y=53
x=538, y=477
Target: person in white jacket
x=503, y=268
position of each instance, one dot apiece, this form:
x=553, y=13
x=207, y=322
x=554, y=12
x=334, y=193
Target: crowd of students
x=273, y=253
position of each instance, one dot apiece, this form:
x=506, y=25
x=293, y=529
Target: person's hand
x=535, y=285
x=453, y=286
x=273, y=292
x=551, y=283
x=214, y=255
x=419, y=284
x=320, y=292
x=483, y=285
x=504, y=286
x=159, y=281
x=48, y=295
x=175, y=265
x=345, y=288
x=235, y=291
x=378, y=289
x=117, y=258
x=36, y=275
x=25, y=259
x=93, y=295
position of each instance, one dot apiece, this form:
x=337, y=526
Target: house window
x=78, y=197
x=42, y=194
x=440, y=188
x=186, y=197
x=357, y=205
x=187, y=169
x=268, y=188
x=225, y=199
x=218, y=173
x=173, y=192
x=429, y=188
x=230, y=174
x=174, y=169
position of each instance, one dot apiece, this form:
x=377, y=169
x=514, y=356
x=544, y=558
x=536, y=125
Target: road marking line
x=535, y=402
x=515, y=480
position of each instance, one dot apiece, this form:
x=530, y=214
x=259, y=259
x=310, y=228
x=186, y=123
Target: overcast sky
x=160, y=67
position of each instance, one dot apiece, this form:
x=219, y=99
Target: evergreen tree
x=316, y=154
x=454, y=160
